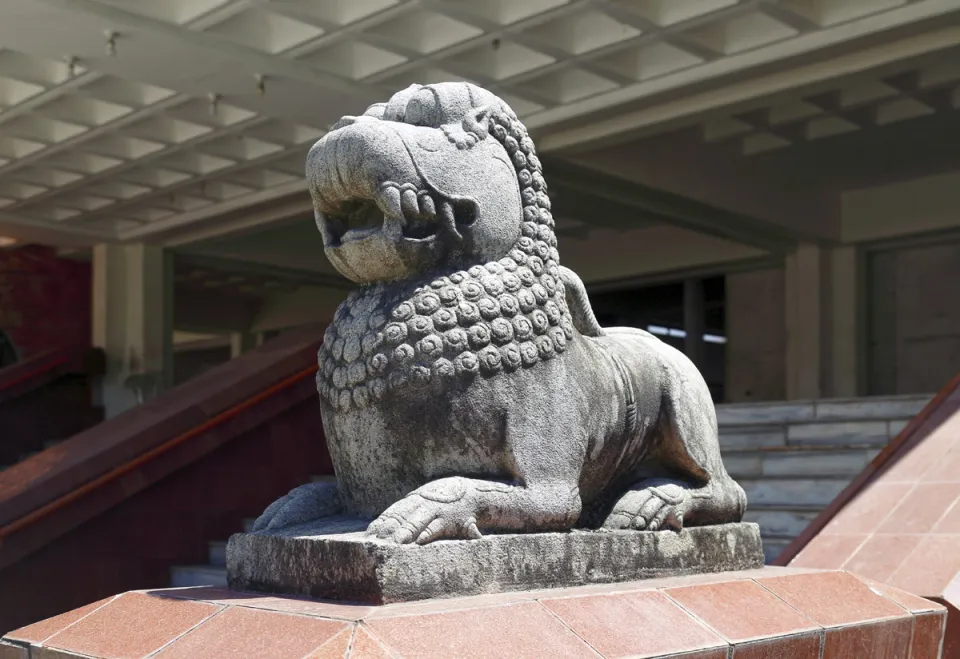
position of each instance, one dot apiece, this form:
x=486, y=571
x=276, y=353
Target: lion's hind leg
x=682, y=481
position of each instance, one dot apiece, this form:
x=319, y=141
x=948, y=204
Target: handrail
x=43, y=363
x=152, y=454
x=883, y=461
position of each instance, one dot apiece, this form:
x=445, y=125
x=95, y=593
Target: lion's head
x=435, y=202
x=441, y=177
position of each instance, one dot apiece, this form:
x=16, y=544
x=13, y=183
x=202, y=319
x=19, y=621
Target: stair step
x=772, y=547
x=791, y=492
x=197, y=575
x=780, y=523
x=217, y=553
x=800, y=463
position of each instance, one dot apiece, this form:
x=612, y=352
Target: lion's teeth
x=408, y=203
x=389, y=202
x=427, y=206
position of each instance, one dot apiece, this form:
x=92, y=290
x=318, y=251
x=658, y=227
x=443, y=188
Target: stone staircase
x=791, y=458
x=794, y=458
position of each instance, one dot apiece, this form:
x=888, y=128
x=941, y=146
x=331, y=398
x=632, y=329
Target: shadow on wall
x=44, y=300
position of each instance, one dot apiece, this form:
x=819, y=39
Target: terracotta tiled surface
x=832, y=598
x=775, y=613
x=646, y=624
x=132, y=626
x=889, y=640
x=533, y=632
x=802, y=646
x=742, y=611
x=928, y=631
x=240, y=631
x=41, y=631
x=902, y=528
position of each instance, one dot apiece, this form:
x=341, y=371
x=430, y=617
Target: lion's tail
x=580, y=310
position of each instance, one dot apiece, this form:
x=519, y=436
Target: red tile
x=832, y=598
x=11, y=651
x=715, y=653
x=802, y=646
x=620, y=625
x=517, y=631
x=40, y=631
x=869, y=509
x=741, y=610
x=889, y=639
x=242, y=632
x=828, y=552
x=950, y=522
x=928, y=630
x=922, y=508
x=933, y=444
x=132, y=626
x=931, y=566
x=880, y=556
x=365, y=646
x=335, y=648
x=299, y=605
x=947, y=469
x=908, y=601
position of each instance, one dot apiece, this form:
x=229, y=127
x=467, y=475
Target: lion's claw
x=438, y=510
x=658, y=505
x=303, y=504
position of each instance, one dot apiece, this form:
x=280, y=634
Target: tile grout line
x=568, y=627
x=822, y=629
x=41, y=643
x=375, y=637
x=223, y=609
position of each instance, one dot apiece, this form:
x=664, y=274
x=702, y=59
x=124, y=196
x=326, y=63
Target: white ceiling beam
x=264, y=63
x=227, y=218
x=29, y=230
x=800, y=45
x=688, y=110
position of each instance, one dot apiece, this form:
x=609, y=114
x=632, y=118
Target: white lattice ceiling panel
x=133, y=111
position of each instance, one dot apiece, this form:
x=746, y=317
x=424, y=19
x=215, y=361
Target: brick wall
x=44, y=300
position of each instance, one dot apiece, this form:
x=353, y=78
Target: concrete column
x=133, y=322
x=804, y=304
x=241, y=342
x=694, y=320
x=846, y=317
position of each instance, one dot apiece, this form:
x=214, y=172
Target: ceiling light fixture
x=72, y=63
x=214, y=103
x=261, y=85
x=7, y=241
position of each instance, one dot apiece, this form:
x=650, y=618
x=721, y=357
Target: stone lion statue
x=465, y=385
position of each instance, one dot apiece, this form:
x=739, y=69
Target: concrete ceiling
x=136, y=119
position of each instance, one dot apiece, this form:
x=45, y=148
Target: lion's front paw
x=652, y=506
x=303, y=504
x=441, y=509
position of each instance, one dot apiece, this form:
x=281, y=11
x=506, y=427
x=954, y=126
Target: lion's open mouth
x=397, y=211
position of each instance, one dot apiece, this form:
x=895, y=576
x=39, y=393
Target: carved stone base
x=338, y=561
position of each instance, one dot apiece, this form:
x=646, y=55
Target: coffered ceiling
x=132, y=119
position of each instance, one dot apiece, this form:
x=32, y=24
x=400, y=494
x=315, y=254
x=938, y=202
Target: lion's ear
x=476, y=122
x=376, y=110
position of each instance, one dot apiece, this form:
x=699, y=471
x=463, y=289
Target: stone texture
x=356, y=566
x=770, y=613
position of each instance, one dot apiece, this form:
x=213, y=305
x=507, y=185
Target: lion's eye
x=421, y=109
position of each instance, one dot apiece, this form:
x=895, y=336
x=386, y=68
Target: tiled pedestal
x=781, y=613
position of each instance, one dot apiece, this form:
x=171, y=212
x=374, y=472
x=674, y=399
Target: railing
x=58, y=489
x=45, y=367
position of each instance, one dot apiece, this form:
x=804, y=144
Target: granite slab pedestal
x=782, y=613
x=340, y=561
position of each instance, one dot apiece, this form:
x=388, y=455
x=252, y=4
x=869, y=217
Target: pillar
x=846, y=328
x=133, y=322
x=694, y=320
x=804, y=322
x=241, y=342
